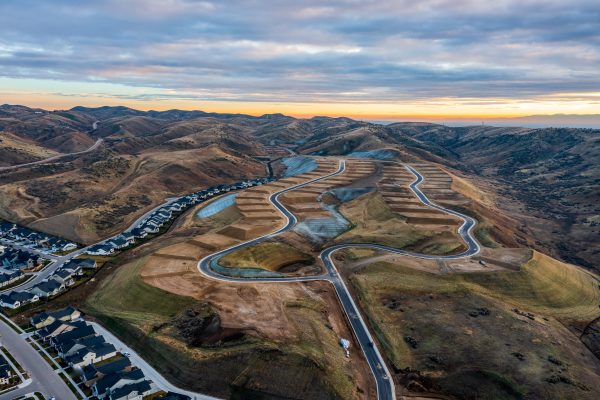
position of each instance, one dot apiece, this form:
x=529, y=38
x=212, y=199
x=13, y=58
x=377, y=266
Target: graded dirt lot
x=296, y=327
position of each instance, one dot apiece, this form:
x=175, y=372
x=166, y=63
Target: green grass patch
x=124, y=296
x=432, y=323
x=271, y=256
x=484, y=235
x=542, y=285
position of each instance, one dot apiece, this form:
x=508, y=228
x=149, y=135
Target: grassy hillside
x=103, y=193
x=543, y=285
x=15, y=150
x=493, y=335
x=271, y=256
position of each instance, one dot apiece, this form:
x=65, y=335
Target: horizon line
x=359, y=117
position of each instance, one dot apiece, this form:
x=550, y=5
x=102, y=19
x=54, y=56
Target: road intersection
x=207, y=266
x=384, y=383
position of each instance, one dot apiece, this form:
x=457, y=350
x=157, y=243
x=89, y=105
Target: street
x=43, y=377
x=138, y=361
x=384, y=382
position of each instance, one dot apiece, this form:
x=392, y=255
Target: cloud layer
x=309, y=51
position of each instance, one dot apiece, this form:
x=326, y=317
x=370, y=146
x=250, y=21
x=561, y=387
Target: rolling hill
x=546, y=179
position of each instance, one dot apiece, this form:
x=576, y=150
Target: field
x=147, y=306
x=271, y=256
x=485, y=335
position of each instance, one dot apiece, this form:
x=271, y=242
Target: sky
x=455, y=60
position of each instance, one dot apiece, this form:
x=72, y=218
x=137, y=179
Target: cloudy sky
x=371, y=59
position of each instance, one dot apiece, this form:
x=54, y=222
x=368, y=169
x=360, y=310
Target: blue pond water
x=217, y=206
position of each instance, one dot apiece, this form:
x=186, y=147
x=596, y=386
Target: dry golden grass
x=543, y=285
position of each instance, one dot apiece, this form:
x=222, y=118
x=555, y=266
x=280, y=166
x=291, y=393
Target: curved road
x=54, y=158
x=384, y=384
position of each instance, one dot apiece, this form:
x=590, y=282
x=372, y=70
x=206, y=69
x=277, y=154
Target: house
x=139, y=233
x=83, y=263
x=18, y=299
x=71, y=347
x=164, y=214
x=81, y=331
x=48, y=289
x=9, y=278
x=46, y=318
x=6, y=371
x=63, y=277
x=155, y=221
x=69, y=246
x=120, y=242
x=151, y=229
x=55, y=328
x=101, y=250
x=92, y=372
x=8, y=301
x=132, y=391
x=91, y=354
x=74, y=270
x=175, y=207
x=111, y=382
x=130, y=237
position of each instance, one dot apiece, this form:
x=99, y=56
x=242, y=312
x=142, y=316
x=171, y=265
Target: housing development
x=299, y=200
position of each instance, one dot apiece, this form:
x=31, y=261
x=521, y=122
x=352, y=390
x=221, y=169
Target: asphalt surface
x=54, y=158
x=43, y=377
x=384, y=383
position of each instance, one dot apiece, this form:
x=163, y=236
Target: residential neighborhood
x=17, y=260
x=162, y=216
x=58, y=282
x=14, y=261
x=98, y=367
x=34, y=240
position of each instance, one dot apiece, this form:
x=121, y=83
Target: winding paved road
x=384, y=383
x=54, y=158
x=379, y=369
